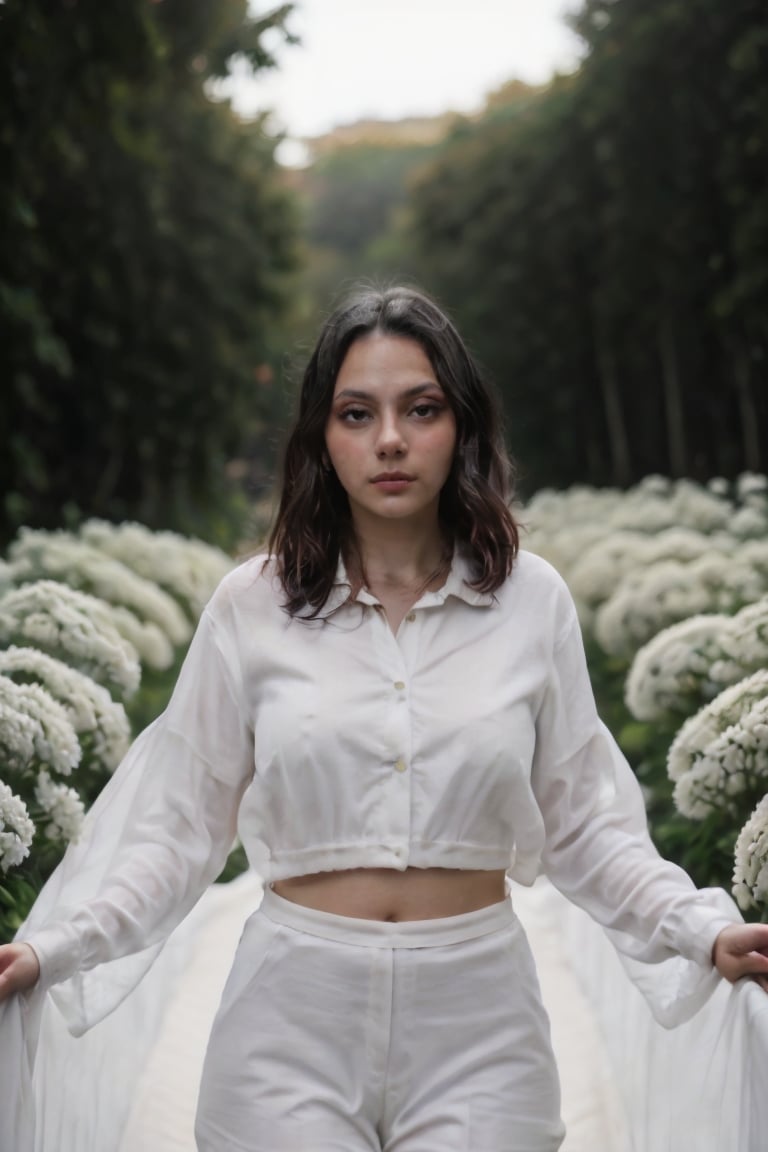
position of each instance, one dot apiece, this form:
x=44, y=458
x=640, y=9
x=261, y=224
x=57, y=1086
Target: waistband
x=386, y=933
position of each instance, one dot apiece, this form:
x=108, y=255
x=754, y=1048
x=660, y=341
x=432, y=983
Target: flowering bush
x=750, y=873
x=597, y=575
x=100, y=722
x=648, y=600
x=719, y=758
x=76, y=628
x=62, y=808
x=36, y=739
x=68, y=645
x=37, y=555
x=673, y=671
x=16, y=829
x=565, y=527
x=688, y=663
x=671, y=582
x=188, y=569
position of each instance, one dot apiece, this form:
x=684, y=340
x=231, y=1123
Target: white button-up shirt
x=469, y=739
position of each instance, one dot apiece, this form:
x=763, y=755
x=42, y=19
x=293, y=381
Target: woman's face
x=391, y=433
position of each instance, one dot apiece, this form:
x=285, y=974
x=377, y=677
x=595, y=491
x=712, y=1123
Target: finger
x=754, y=938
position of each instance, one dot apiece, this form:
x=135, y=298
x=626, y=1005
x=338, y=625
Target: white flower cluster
x=62, y=808
x=74, y=627
x=565, y=526
x=750, y=873
x=650, y=599
x=46, y=731
x=77, y=615
x=692, y=661
x=16, y=829
x=90, y=708
x=186, y=568
x=599, y=572
x=39, y=555
x=673, y=670
x=721, y=753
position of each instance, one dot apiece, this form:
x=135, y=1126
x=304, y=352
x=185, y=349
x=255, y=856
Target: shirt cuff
x=57, y=954
x=703, y=923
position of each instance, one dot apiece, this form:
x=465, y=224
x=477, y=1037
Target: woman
x=394, y=711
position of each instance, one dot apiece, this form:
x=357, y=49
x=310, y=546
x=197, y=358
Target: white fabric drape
x=701, y=1086
x=83, y=1090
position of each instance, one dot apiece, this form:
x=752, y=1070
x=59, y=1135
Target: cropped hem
x=397, y=854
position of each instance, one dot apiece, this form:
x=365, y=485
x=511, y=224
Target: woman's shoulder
x=534, y=573
x=252, y=584
x=535, y=594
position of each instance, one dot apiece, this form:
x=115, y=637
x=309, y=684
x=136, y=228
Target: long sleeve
x=598, y=851
x=156, y=837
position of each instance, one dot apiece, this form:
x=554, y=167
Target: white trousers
x=338, y=1034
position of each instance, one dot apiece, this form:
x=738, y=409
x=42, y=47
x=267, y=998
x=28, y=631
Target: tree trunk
x=618, y=440
x=748, y=414
x=673, y=400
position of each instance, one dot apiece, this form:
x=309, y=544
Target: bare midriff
x=386, y=894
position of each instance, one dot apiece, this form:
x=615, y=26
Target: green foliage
x=605, y=247
x=146, y=245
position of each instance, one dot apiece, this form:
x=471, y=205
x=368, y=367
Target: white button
x=411, y=617
x=399, y=685
x=400, y=765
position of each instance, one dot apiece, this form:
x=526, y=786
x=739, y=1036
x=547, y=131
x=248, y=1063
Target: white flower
x=38, y=555
x=675, y=666
x=63, y=809
x=90, y=708
x=751, y=482
x=750, y=873
x=153, y=646
x=745, y=639
x=189, y=569
x=749, y=523
x=72, y=626
x=722, y=753
x=16, y=829
x=700, y=730
x=655, y=484
x=54, y=740
x=654, y=598
x=17, y=735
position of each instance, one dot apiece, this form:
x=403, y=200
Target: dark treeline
x=145, y=241
x=603, y=242
x=605, y=247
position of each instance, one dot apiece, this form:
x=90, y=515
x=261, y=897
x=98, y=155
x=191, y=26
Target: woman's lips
x=392, y=481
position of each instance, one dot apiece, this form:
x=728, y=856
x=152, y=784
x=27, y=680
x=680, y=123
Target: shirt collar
x=457, y=584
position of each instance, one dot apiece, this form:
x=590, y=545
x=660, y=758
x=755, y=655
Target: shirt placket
x=392, y=654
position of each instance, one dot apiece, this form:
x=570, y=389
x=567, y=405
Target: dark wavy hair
x=313, y=524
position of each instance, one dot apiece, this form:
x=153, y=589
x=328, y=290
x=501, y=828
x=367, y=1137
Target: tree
x=605, y=246
x=146, y=244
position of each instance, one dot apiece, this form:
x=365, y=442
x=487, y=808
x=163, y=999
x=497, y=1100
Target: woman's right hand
x=19, y=969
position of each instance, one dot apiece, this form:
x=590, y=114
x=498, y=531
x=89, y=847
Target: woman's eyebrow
x=360, y=394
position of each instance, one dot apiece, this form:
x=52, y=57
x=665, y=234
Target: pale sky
x=392, y=58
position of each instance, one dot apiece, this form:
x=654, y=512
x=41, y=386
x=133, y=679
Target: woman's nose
x=390, y=439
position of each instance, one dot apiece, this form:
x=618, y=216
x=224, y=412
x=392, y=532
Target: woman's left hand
x=742, y=950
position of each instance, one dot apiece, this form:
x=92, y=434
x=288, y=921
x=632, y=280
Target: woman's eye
x=354, y=415
x=426, y=410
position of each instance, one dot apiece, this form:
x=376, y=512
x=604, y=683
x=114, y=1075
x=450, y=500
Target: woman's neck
x=400, y=559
